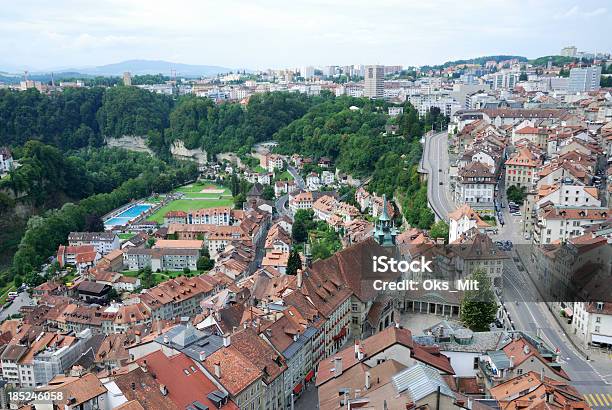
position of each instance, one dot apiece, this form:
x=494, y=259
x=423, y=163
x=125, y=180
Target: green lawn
x=259, y=168
x=189, y=205
x=285, y=176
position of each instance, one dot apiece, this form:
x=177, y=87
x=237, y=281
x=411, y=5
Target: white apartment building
x=475, y=185
x=374, y=81
x=313, y=182
x=327, y=177
x=584, y=79
x=103, y=242
x=559, y=223
x=303, y=200
x=505, y=80
x=592, y=322
x=462, y=220
x=568, y=195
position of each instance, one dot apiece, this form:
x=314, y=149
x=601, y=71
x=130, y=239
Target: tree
x=268, y=193
x=205, y=263
x=478, y=307
x=439, y=230
x=523, y=76
x=186, y=270
x=113, y=295
x=294, y=263
x=146, y=277
x=515, y=194
x=93, y=223
x=299, y=232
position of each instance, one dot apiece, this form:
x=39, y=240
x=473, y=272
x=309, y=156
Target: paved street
x=23, y=299
x=435, y=158
x=281, y=202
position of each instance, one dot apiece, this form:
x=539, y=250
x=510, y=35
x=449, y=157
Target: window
x=596, y=329
x=519, y=371
x=598, y=319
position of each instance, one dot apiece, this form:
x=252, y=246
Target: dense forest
x=199, y=122
x=66, y=177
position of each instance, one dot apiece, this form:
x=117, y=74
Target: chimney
x=356, y=348
x=202, y=356
x=337, y=366
x=144, y=366
x=299, y=279
x=226, y=340
x=163, y=389
x=218, y=370
x=470, y=403
x=367, y=380
x=360, y=354
x=166, y=339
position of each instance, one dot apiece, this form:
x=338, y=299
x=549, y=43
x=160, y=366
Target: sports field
x=198, y=195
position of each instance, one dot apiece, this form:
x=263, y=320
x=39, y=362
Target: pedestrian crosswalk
x=599, y=400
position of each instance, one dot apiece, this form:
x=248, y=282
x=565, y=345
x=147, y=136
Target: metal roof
x=500, y=359
x=420, y=381
x=297, y=345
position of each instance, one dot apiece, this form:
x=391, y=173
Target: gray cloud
x=275, y=33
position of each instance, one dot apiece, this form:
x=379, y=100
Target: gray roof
x=191, y=341
x=479, y=342
x=499, y=359
x=91, y=236
x=420, y=381
x=297, y=345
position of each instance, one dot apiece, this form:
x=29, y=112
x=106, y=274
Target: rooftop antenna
x=26, y=75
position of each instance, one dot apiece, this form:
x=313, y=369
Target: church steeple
x=385, y=231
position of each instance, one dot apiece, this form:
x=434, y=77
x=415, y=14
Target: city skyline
x=313, y=33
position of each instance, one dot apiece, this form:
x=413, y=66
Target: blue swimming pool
x=127, y=215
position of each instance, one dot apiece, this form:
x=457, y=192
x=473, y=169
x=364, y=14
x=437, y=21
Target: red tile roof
x=182, y=378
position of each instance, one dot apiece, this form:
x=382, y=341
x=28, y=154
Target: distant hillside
x=477, y=60
x=139, y=67
x=558, y=61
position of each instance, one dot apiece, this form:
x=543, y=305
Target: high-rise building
x=127, y=78
x=569, y=51
x=374, y=81
x=505, y=80
x=307, y=72
x=584, y=79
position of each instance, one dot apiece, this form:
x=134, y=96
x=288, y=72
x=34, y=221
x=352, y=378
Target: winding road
x=435, y=163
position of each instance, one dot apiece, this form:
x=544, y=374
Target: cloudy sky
x=291, y=33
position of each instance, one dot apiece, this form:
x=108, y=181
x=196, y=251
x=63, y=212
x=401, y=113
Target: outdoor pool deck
x=127, y=215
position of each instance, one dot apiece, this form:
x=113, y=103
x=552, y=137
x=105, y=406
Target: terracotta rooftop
x=237, y=372
x=183, y=380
